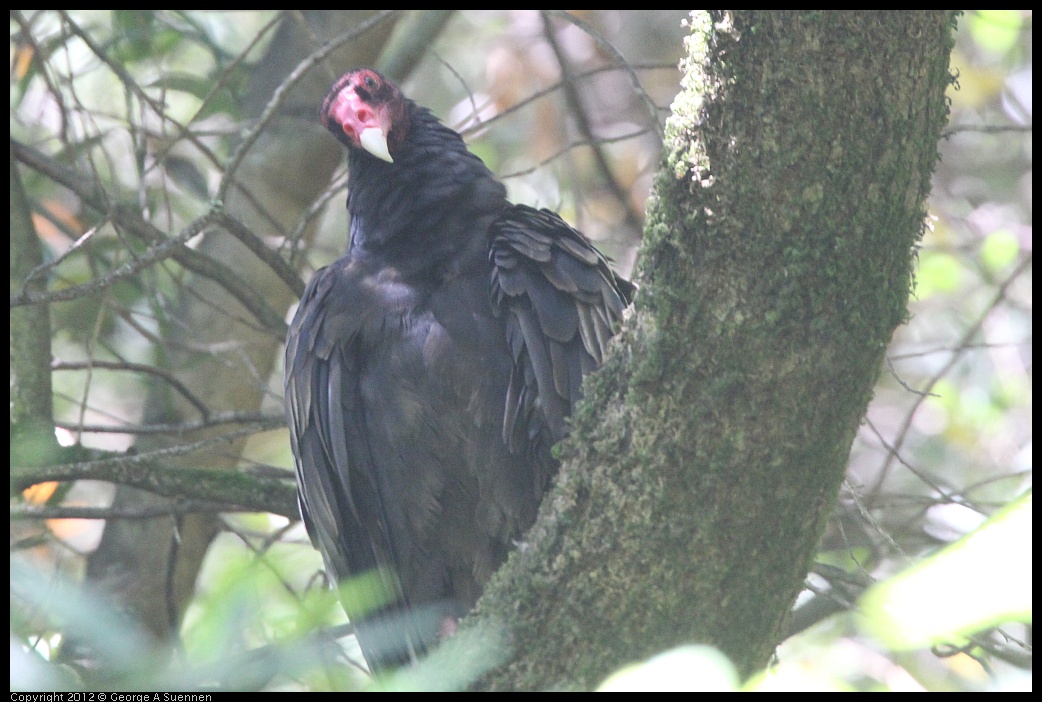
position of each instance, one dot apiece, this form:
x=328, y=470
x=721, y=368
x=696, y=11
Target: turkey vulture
x=431, y=369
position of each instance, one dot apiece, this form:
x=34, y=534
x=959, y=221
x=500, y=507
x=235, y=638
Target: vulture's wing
x=562, y=305
x=338, y=489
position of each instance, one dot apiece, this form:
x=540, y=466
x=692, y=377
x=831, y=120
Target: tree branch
x=163, y=246
x=582, y=122
x=30, y=327
x=148, y=472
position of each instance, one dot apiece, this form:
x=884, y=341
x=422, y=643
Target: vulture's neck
x=429, y=211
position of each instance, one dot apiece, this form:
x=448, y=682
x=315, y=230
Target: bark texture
x=778, y=259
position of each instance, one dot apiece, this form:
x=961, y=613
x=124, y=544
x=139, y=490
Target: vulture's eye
x=370, y=82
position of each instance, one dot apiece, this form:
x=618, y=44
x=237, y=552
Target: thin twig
x=961, y=346
x=165, y=246
x=275, y=262
x=282, y=93
x=573, y=145
x=179, y=428
x=521, y=104
x=986, y=129
x=582, y=122
x=607, y=47
x=131, y=84
x=223, y=76
x=137, y=368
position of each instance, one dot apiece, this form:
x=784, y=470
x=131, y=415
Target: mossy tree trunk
x=777, y=261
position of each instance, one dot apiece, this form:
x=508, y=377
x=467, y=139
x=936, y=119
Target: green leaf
x=999, y=250
x=135, y=29
x=689, y=668
x=981, y=581
x=996, y=31
x=938, y=273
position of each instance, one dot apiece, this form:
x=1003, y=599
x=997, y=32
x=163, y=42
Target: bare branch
x=143, y=511
x=961, y=346
x=607, y=47
x=582, y=122
x=181, y=428
x=146, y=471
x=164, y=247
x=282, y=93
x=569, y=147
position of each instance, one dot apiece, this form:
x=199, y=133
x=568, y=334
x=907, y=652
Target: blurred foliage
x=977, y=583
x=148, y=103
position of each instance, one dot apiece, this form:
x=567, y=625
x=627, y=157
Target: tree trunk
x=777, y=261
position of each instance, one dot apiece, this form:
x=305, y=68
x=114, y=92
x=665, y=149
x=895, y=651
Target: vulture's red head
x=366, y=111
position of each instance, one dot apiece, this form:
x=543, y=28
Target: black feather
x=430, y=371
